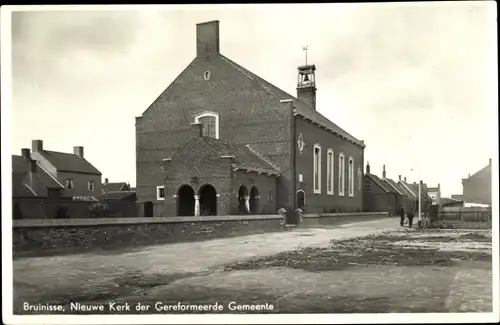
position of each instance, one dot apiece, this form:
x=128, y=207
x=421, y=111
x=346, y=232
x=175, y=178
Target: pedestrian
x=411, y=215
x=402, y=214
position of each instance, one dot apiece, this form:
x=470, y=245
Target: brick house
x=120, y=191
x=77, y=176
x=319, y=164
x=378, y=196
x=477, y=187
x=29, y=180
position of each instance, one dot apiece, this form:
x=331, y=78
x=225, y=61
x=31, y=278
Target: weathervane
x=305, y=48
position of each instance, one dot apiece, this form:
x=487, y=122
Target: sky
x=416, y=81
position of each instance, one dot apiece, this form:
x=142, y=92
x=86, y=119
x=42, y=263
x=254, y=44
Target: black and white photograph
x=250, y=163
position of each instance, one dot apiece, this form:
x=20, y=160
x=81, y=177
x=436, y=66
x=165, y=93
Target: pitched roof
x=302, y=108
x=408, y=188
x=394, y=186
x=242, y=156
x=386, y=188
x=114, y=187
x=484, y=170
x=69, y=162
x=119, y=195
x=20, y=168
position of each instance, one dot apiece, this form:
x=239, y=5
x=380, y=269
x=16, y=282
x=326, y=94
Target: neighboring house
x=248, y=134
x=477, y=187
x=115, y=187
x=117, y=191
x=378, y=195
x=458, y=197
x=451, y=202
x=402, y=199
x=424, y=196
x=29, y=180
x=435, y=194
x=78, y=176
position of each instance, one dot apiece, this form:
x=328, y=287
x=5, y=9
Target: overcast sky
x=415, y=81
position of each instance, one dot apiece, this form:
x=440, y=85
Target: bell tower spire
x=306, y=82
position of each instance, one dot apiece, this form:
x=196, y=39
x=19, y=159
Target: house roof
x=394, y=186
x=301, y=108
x=433, y=189
x=243, y=157
x=20, y=168
x=69, y=162
x=118, y=195
x=385, y=187
x=114, y=187
x=408, y=189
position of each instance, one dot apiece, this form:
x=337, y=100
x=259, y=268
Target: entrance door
x=208, y=200
x=301, y=200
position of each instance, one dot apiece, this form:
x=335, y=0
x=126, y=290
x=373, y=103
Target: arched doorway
x=254, y=200
x=301, y=200
x=242, y=194
x=208, y=200
x=185, y=201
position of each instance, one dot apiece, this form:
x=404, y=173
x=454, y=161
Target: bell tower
x=306, y=85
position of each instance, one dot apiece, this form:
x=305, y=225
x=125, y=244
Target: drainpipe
x=294, y=155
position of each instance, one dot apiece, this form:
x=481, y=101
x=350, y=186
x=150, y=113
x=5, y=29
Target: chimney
x=383, y=172
x=306, y=85
x=26, y=153
x=399, y=176
x=197, y=129
x=405, y=179
x=33, y=175
x=37, y=145
x=207, y=39
x=106, y=181
x=489, y=162
x=368, y=167
x=78, y=151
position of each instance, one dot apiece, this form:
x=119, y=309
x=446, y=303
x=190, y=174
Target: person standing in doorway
x=402, y=214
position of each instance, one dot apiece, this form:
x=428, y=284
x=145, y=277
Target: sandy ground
x=294, y=270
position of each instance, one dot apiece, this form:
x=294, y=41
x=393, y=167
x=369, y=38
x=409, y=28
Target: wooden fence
x=464, y=216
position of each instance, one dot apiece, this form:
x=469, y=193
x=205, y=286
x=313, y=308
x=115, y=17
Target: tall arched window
x=210, y=124
x=351, y=176
x=317, y=169
x=341, y=174
x=329, y=172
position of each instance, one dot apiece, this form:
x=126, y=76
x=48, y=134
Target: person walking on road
x=402, y=214
x=411, y=215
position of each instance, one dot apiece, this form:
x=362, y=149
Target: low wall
x=36, y=236
x=463, y=218
x=313, y=219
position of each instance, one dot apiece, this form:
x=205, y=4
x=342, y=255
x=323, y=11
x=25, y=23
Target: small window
x=91, y=186
x=206, y=75
x=367, y=186
x=271, y=196
x=210, y=124
x=70, y=184
x=160, y=193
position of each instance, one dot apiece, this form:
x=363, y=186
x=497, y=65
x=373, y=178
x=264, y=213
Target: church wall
x=318, y=203
x=264, y=183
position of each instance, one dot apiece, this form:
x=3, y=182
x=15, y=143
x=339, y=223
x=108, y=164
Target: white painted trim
x=351, y=177
x=341, y=174
x=31, y=190
x=305, y=199
x=51, y=176
x=210, y=114
x=158, y=193
x=330, y=162
x=286, y=100
x=316, y=187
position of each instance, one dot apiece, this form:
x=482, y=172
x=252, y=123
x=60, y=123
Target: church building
x=221, y=140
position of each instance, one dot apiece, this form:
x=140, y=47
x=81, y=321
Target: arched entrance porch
x=254, y=200
x=243, y=207
x=208, y=200
x=185, y=201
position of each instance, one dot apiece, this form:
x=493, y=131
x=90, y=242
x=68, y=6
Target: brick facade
x=375, y=199
x=318, y=203
x=251, y=112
